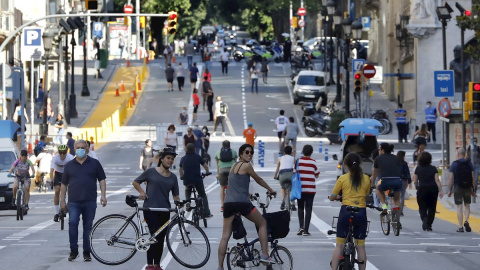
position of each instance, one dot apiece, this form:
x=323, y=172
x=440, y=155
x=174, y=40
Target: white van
x=8, y=154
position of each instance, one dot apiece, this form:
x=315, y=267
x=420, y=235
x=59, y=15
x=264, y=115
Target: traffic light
x=91, y=4
x=357, y=83
x=172, y=22
x=295, y=22
x=474, y=93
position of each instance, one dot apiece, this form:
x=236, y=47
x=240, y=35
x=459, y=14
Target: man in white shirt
x=224, y=59
x=281, y=123
x=219, y=116
x=43, y=162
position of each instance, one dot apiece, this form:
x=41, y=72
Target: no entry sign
x=369, y=71
x=301, y=11
x=128, y=8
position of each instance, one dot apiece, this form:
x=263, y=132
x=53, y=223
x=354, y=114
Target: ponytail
x=353, y=162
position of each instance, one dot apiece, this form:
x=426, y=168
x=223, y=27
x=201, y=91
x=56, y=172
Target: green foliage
x=335, y=119
x=472, y=23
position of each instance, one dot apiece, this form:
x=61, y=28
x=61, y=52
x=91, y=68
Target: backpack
x=462, y=176
x=226, y=155
x=223, y=108
x=37, y=150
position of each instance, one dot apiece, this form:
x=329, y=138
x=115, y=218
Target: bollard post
x=320, y=146
x=326, y=154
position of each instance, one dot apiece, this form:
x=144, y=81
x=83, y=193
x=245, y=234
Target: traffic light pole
x=462, y=63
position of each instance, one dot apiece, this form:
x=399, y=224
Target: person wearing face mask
x=474, y=159
x=199, y=141
x=430, y=118
x=183, y=117
x=80, y=176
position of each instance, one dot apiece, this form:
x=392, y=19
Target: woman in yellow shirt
x=354, y=186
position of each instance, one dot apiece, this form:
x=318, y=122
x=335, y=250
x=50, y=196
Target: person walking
x=171, y=139
x=206, y=140
x=121, y=45
x=461, y=183
x=70, y=143
x=189, y=52
x=169, y=75
x=291, y=133
x=250, y=63
x=207, y=76
x=474, y=159
x=420, y=137
x=224, y=57
x=160, y=183
x=225, y=158
x=183, y=117
x=56, y=171
x=206, y=86
x=189, y=138
x=250, y=134
x=168, y=53
x=180, y=73
x=210, y=95
x=404, y=176
x=429, y=187
x=430, y=119
x=207, y=56
x=264, y=69
x=193, y=73
x=284, y=173
x=255, y=70
x=80, y=176
x=60, y=126
x=280, y=123
x=190, y=174
x=196, y=102
x=354, y=187
x=146, y=155
x=237, y=201
x=199, y=142
x=402, y=126
x=97, y=75
x=220, y=116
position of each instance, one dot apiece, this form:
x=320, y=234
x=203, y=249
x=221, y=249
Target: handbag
x=296, y=192
x=238, y=229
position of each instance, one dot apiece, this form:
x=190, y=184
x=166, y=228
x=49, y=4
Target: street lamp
x=444, y=16
x=347, y=29
x=337, y=19
x=47, y=38
x=85, y=91
x=462, y=64
x=324, y=14
x=357, y=30
x=331, y=10
x=75, y=23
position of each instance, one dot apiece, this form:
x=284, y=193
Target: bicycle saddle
x=391, y=193
x=353, y=209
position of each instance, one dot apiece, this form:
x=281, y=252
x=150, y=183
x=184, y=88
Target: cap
x=250, y=124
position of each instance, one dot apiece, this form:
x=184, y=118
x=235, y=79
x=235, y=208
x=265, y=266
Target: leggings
x=181, y=82
x=305, y=204
x=427, y=203
x=155, y=220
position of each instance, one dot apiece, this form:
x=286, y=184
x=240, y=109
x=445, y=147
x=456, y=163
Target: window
x=311, y=80
x=5, y=5
x=7, y=158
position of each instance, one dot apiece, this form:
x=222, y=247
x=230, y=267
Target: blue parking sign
x=32, y=37
x=98, y=29
x=444, y=83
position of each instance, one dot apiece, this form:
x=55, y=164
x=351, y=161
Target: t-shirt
x=58, y=164
x=426, y=176
x=158, y=188
x=44, y=162
x=352, y=196
x=217, y=109
x=387, y=165
x=209, y=76
x=199, y=134
x=210, y=98
x=255, y=70
x=307, y=167
x=147, y=156
x=281, y=123
x=228, y=164
x=249, y=135
x=189, y=139
x=454, y=165
x=171, y=139
x=190, y=163
x=286, y=162
x=59, y=123
x=180, y=71
x=292, y=130
x=205, y=86
x=71, y=146
x=193, y=72
x=224, y=56
x=189, y=49
x=81, y=179
x=196, y=99
x=23, y=168
x=169, y=72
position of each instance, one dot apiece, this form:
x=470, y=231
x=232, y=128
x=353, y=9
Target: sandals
x=467, y=226
x=460, y=229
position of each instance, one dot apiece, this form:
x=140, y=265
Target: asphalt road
x=38, y=243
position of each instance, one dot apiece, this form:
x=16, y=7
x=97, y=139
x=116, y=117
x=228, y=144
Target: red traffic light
x=357, y=76
x=476, y=86
x=172, y=16
x=468, y=13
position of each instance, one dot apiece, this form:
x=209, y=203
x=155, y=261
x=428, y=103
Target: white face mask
x=183, y=111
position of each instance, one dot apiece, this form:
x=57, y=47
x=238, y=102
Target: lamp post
x=462, y=64
x=337, y=19
x=347, y=29
x=324, y=14
x=444, y=16
x=47, y=38
x=85, y=91
x=330, y=11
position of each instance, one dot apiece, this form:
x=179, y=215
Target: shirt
x=199, y=134
x=224, y=56
x=44, y=162
x=255, y=70
x=193, y=72
x=180, y=71
x=23, y=168
x=292, y=130
x=196, y=99
x=190, y=163
x=281, y=123
x=58, y=164
x=189, y=49
x=188, y=139
x=286, y=162
x=217, y=109
x=387, y=165
x=81, y=179
x=426, y=176
x=158, y=188
x=249, y=135
x=228, y=164
x=171, y=139
x=307, y=167
x=71, y=146
x=352, y=196
x=169, y=72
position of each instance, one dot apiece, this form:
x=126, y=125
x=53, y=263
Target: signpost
x=369, y=71
x=128, y=9
x=32, y=45
x=444, y=83
x=357, y=64
x=301, y=23
x=301, y=11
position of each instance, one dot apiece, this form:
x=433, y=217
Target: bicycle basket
x=130, y=200
x=278, y=224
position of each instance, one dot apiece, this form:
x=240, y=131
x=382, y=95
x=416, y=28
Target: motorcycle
x=238, y=53
x=276, y=51
x=314, y=119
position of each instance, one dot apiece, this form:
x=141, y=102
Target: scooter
x=315, y=120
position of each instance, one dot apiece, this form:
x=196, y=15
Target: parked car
x=309, y=85
x=8, y=154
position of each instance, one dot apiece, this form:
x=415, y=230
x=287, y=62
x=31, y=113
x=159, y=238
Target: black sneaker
x=300, y=232
x=294, y=208
x=306, y=234
x=86, y=257
x=467, y=226
x=73, y=255
x=55, y=218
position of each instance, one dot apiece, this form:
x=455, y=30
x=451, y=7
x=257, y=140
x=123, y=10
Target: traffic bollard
x=320, y=145
x=326, y=154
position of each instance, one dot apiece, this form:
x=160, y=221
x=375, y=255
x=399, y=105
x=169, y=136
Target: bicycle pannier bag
x=238, y=230
x=278, y=224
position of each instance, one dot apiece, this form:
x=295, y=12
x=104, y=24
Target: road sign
x=301, y=11
x=378, y=78
x=444, y=107
x=98, y=29
x=444, y=83
x=128, y=8
x=32, y=43
x=301, y=23
x=357, y=64
x=369, y=71
x=366, y=23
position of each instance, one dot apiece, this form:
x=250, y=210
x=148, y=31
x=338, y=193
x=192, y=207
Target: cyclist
x=56, y=171
x=42, y=161
x=284, y=173
x=22, y=166
x=290, y=134
x=385, y=166
x=161, y=181
x=190, y=174
x=237, y=201
x=355, y=187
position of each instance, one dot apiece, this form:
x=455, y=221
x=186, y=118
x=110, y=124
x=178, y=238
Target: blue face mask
x=80, y=153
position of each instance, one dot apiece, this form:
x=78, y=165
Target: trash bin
x=103, y=58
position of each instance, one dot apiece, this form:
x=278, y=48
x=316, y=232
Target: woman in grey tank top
x=237, y=201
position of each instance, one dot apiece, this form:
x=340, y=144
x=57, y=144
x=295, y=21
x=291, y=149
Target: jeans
x=376, y=200
x=219, y=121
x=402, y=132
x=224, y=67
x=87, y=209
x=431, y=128
x=476, y=170
x=207, y=64
x=255, y=83
x=402, y=195
x=305, y=204
x=198, y=150
x=189, y=61
x=201, y=193
x=59, y=138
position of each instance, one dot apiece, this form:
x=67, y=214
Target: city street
x=38, y=243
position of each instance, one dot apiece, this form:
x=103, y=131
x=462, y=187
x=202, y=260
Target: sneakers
x=300, y=232
x=306, y=233
x=26, y=207
x=293, y=208
x=266, y=260
x=384, y=208
x=55, y=218
x=221, y=209
x=86, y=257
x=460, y=229
x=467, y=226
x=282, y=206
x=73, y=255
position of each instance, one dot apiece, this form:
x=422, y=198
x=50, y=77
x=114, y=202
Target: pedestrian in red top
x=196, y=102
x=307, y=167
x=207, y=74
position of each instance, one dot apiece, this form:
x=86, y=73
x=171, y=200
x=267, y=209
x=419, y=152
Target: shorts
x=359, y=222
x=279, y=134
x=26, y=182
x=294, y=141
x=223, y=176
x=462, y=195
x=57, y=179
x=390, y=183
x=285, y=179
x=195, y=108
x=193, y=80
x=170, y=80
x=245, y=209
x=420, y=140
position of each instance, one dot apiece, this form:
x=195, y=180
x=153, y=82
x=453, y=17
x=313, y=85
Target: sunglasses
x=248, y=152
x=62, y=153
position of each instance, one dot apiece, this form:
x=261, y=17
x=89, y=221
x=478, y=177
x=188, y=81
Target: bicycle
x=19, y=200
x=116, y=238
x=198, y=212
x=389, y=219
x=245, y=255
x=347, y=258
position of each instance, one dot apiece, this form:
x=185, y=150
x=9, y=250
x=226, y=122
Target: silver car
x=309, y=85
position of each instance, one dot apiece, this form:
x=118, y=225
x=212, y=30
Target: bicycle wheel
x=19, y=205
x=235, y=258
x=385, y=223
x=188, y=244
x=195, y=217
x=282, y=257
x=113, y=239
x=384, y=128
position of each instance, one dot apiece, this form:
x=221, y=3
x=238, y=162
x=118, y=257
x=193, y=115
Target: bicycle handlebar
x=206, y=174
x=374, y=207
